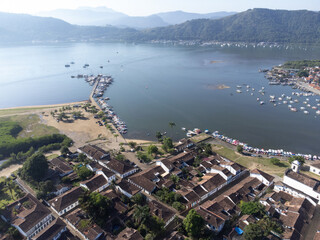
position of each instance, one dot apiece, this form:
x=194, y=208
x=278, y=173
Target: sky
x=148, y=7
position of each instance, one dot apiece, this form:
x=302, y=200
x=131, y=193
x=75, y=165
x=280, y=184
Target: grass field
x=263, y=164
x=31, y=125
x=199, y=138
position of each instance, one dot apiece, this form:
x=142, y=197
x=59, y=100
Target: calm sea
x=155, y=85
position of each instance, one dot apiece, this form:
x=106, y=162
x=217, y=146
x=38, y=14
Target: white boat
x=308, y=105
x=238, y=86
x=296, y=100
x=293, y=109
x=289, y=106
x=261, y=102
x=183, y=129
x=305, y=112
x=318, y=112
x=285, y=102
x=280, y=99
x=302, y=108
x=239, y=91
x=258, y=99
x=314, y=108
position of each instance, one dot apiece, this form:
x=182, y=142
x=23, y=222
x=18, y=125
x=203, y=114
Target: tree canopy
x=193, y=223
x=35, y=167
x=97, y=206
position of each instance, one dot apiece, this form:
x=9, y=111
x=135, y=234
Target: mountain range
x=102, y=16
x=253, y=25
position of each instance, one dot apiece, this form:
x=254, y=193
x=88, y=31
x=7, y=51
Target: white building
x=67, y=201
x=301, y=182
x=28, y=216
x=262, y=177
x=315, y=168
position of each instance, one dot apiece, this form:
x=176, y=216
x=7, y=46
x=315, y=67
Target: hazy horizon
x=133, y=8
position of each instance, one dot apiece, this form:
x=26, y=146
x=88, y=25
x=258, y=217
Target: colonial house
x=183, y=144
x=61, y=167
x=121, y=169
x=127, y=188
x=213, y=184
x=88, y=231
x=28, y=216
x=94, y=152
x=159, y=210
x=96, y=184
x=262, y=176
x=213, y=221
x=301, y=182
x=129, y=234
x=67, y=201
x=315, y=168
x=53, y=231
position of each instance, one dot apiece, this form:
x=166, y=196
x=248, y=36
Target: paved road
x=25, y=187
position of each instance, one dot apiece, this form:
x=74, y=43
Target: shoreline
x=43, y=106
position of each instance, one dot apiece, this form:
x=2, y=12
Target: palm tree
x=10, y=186
x=141, y=214
x=116, y=135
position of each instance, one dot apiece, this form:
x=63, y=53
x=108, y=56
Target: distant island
x=251, y=26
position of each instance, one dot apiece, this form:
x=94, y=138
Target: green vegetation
x=97, y=206
x=149, y=226
x=239, y=149
x=252, y=208
x=300, y=159
x=9, y=192
x=34, y=168
x=193, y=224
x=301, y=64
x=167, y=145
x=261, y=229
x=253, y=25
x=252, y=162
x=83, y=172
x=171, y=198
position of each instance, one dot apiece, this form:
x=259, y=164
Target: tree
x=172, y=125
x=275, y=161
x=132, y=145
x=84, y=173
x=139, y=199
x=167, y=144
x=97, y=206
x=159, y=136
x=197, y=161
x=35, y=167
x=253, y=232
x=174, y=178
x=193, y=223
x=141, y=214
x=239, y=149
x=300, y=159
x=10, y=186
x=64, y=150
x=77, y=114
x=116, y=136
x=252, y=208
x=152, y=149
x=179, y=206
